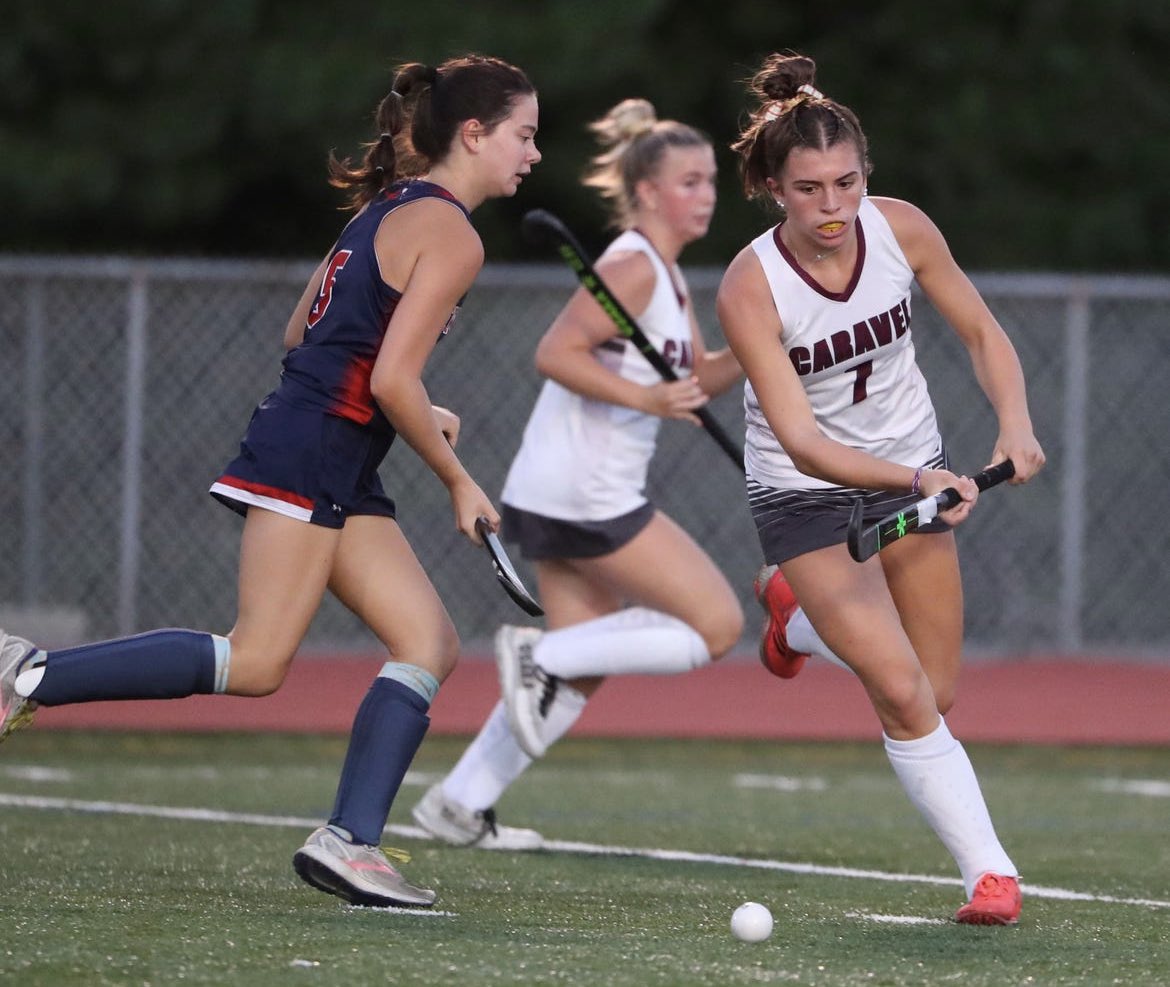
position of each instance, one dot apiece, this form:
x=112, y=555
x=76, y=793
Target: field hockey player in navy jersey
x=316, y=515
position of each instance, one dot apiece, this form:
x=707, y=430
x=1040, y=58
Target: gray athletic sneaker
x=360, y=874
x=527, y=689
x=15, y=710
x=447, y=820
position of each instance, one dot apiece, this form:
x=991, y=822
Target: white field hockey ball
x=751, y=922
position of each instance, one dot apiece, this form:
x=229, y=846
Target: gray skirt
x=541, y=537
x=791, y=523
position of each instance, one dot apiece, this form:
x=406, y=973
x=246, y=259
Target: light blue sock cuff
x=413, y=677
x=223, y=661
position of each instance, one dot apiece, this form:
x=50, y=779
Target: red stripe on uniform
x=355, y=400
x=266, y=491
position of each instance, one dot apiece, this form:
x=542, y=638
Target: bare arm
x=716, y=371
x=565, y=352
x=995, y=362
x=448, y=255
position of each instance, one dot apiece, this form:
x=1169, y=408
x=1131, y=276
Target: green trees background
x=1035, y=132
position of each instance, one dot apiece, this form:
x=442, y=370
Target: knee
x=446, y=653
x=436, y=649
x=722, y=630
x=943, y=684
x=259, y=687
x=942, y=668
x=255, y=677
x=258, y=662
x=904, y=702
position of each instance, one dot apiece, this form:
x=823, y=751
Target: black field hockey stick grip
x=866, y=542
x=542, y=228
x=984, y=480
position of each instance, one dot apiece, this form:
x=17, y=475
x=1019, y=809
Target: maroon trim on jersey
x=833, y=296
x=678, y=292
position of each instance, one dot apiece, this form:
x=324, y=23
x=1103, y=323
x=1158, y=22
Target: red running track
x=1030, y=700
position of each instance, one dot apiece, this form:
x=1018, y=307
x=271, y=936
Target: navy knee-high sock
x=389, y=726
x=166, y=664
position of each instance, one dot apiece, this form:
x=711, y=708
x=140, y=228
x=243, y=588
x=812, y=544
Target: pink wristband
x=915, y=484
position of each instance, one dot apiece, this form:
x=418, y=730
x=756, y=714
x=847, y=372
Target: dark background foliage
x=1035, y=132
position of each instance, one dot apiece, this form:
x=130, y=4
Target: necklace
x=816, y=257
x=827, y=253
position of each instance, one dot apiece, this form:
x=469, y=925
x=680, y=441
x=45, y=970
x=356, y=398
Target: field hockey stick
x=866, y=542
x=540, y=228
x=505, y=572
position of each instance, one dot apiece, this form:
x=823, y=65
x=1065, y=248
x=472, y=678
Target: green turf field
x=656, y=843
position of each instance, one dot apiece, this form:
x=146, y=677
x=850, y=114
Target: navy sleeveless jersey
x=331, y=367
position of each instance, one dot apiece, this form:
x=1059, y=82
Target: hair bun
x=782, y=75
x=632, y=117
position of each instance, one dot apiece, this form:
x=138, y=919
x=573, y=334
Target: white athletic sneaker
x=447, y=820
x=526, y=688
x=360, y=874
x=15, y=710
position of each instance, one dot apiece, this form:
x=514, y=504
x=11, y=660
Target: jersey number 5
x=336, y=263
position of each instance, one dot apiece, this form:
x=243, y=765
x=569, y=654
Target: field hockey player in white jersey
x=625, y=589
x=817, y=310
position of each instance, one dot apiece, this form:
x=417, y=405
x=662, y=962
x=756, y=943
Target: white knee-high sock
x=803, y=637
x=634, y=641
x=937, y=775
x=493, y=760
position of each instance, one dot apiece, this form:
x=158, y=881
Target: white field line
x=780, y=783
x=897, y=919
x=555, y=846
x=1150, y=788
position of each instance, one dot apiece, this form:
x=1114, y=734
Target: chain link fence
x=127, y=385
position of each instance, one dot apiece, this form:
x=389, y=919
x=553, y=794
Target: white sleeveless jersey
x=854, y=355
x=586, y=460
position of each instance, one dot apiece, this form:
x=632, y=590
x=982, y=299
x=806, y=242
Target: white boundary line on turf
x=554, y=846
x=897, y=919
x=1152, y=788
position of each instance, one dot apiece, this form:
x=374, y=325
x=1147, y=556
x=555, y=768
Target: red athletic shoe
x=775, y=596
x=995, y=901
